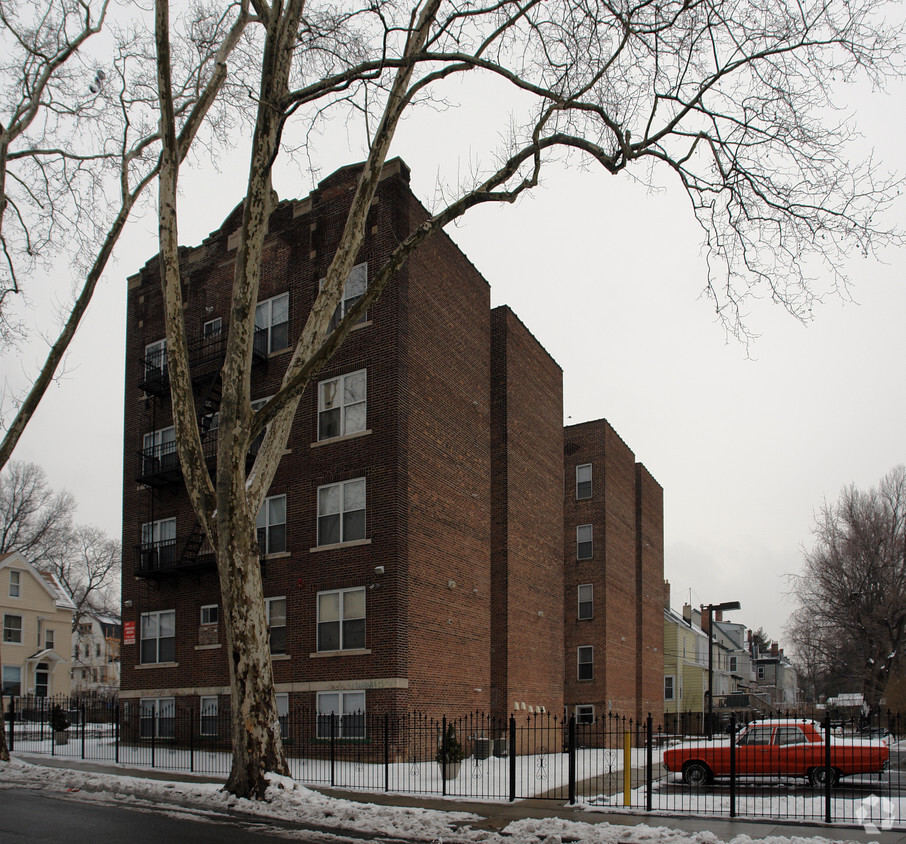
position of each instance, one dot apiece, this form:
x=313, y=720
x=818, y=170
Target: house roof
x=44, y=579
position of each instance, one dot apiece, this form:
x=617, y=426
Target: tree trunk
x=257, y=745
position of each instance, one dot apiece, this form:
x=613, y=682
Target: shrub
x=454, y=749
x=59, y=720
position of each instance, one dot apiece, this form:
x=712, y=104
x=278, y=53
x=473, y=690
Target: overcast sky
x=746, y=441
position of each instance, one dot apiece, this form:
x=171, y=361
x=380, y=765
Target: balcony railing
x=159, y=465
x=206, y=356
x=167, y=557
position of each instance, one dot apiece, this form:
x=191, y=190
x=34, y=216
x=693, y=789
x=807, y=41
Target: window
x=352, y=292
x=761, y=672
x=341, y=512
x=586, y=603
x=346, y=710
x=158, y=637
x=213, y=327
x=271, y=524
x=11, y=682
x=757, y=735
x=159, y=544
x=12, y=629
x=584, y=545
x=585, y=713
x=341, y=405
x=341, y=620
x=97, y=650
x=209, y=614
x=733, y=663
x=276, y=624
x=42, y=679
x=790, y=735
x=669, y=687
x=283, y=713
x=273, y=316
x=207, y=708
x=158, y=717
x=583, y=481
x=48, y=639
x=156, y=357
x=159, y=451
x=15, y=583
x=585, y=658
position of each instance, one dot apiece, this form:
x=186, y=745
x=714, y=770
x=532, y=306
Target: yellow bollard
x=627, y=768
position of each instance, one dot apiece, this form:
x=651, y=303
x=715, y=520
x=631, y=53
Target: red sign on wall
x=129, y=633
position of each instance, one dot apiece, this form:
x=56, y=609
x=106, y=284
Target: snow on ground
x=287, y=800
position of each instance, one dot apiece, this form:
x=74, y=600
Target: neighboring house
x=417, y=553
x=37, y=626
x=735, y=656
x=685, y=662
x=96, y=654
x=775, y=676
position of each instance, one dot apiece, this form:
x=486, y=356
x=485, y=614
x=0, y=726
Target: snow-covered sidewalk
x=488, y=823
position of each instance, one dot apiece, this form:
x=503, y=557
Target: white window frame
x=357, y=278
x=584, y=713
x=159, y=445
x=207, y=710
x=733, y=664
x=268, y=604
x=206, y=613
x=156, y=354
x=163, y=713
x=342, y=405
x=157, y=616
x=346, y=700
x=670, y=681
x=212, y=328
x=5, y=679
x=581, y=542
x=15, y=583
x=48, y=638
x=9, y=631
x=342, y=619
x=589, y=602
x=343, y=512
x=760, y=672
x=266, y=311
x=263, y=523
x=580, y=470
x=580, y=652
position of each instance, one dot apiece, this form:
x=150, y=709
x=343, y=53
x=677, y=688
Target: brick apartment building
x=412, y=541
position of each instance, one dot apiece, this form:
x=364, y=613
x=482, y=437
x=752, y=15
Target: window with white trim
x=585, y=659
x=212, y=328
x=760, y=674
x=585, y=713
x=207, y=711
x=11, y=682
x=156, y=356
x=734, y=661
x=341, y=512
x=586, y=601
x=159, y=450
x=158, y=717
x=669, y=687
x=345, y=710
x=158, y=637
x=210, y=614
x=15, y=583
x=583, y=481
x=276, y=623
x=271, y=525
x=584, y=542
x=12, y=629
x=353, y=290
x=159, y=544
x=341, y=620
x=342, y=405
x=273, y=316
x=283, y=713
x=48, y=639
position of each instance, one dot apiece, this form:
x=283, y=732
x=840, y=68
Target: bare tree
x=79, y=145
x=34, y=520
x=730, y=98
x=852, y=588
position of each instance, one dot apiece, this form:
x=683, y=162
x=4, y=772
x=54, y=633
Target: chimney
x=774, y=649
x=666, y=594
x=703, y=623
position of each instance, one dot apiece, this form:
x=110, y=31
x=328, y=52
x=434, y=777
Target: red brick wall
x=527, y=563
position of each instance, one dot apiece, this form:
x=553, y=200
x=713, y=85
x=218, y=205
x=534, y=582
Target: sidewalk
x=495, y=816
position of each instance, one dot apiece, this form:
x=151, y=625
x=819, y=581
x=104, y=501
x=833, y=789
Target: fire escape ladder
x=193, y=545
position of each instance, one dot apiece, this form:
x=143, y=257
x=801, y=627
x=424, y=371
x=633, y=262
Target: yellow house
x=37, y=630
x=685, y=664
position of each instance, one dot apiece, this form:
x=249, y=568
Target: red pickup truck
x=784, y=748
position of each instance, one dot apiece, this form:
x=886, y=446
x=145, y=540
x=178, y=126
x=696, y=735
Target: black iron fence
x=841, y=771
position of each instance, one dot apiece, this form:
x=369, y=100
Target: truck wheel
x=696, y=774
x=817, y=776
